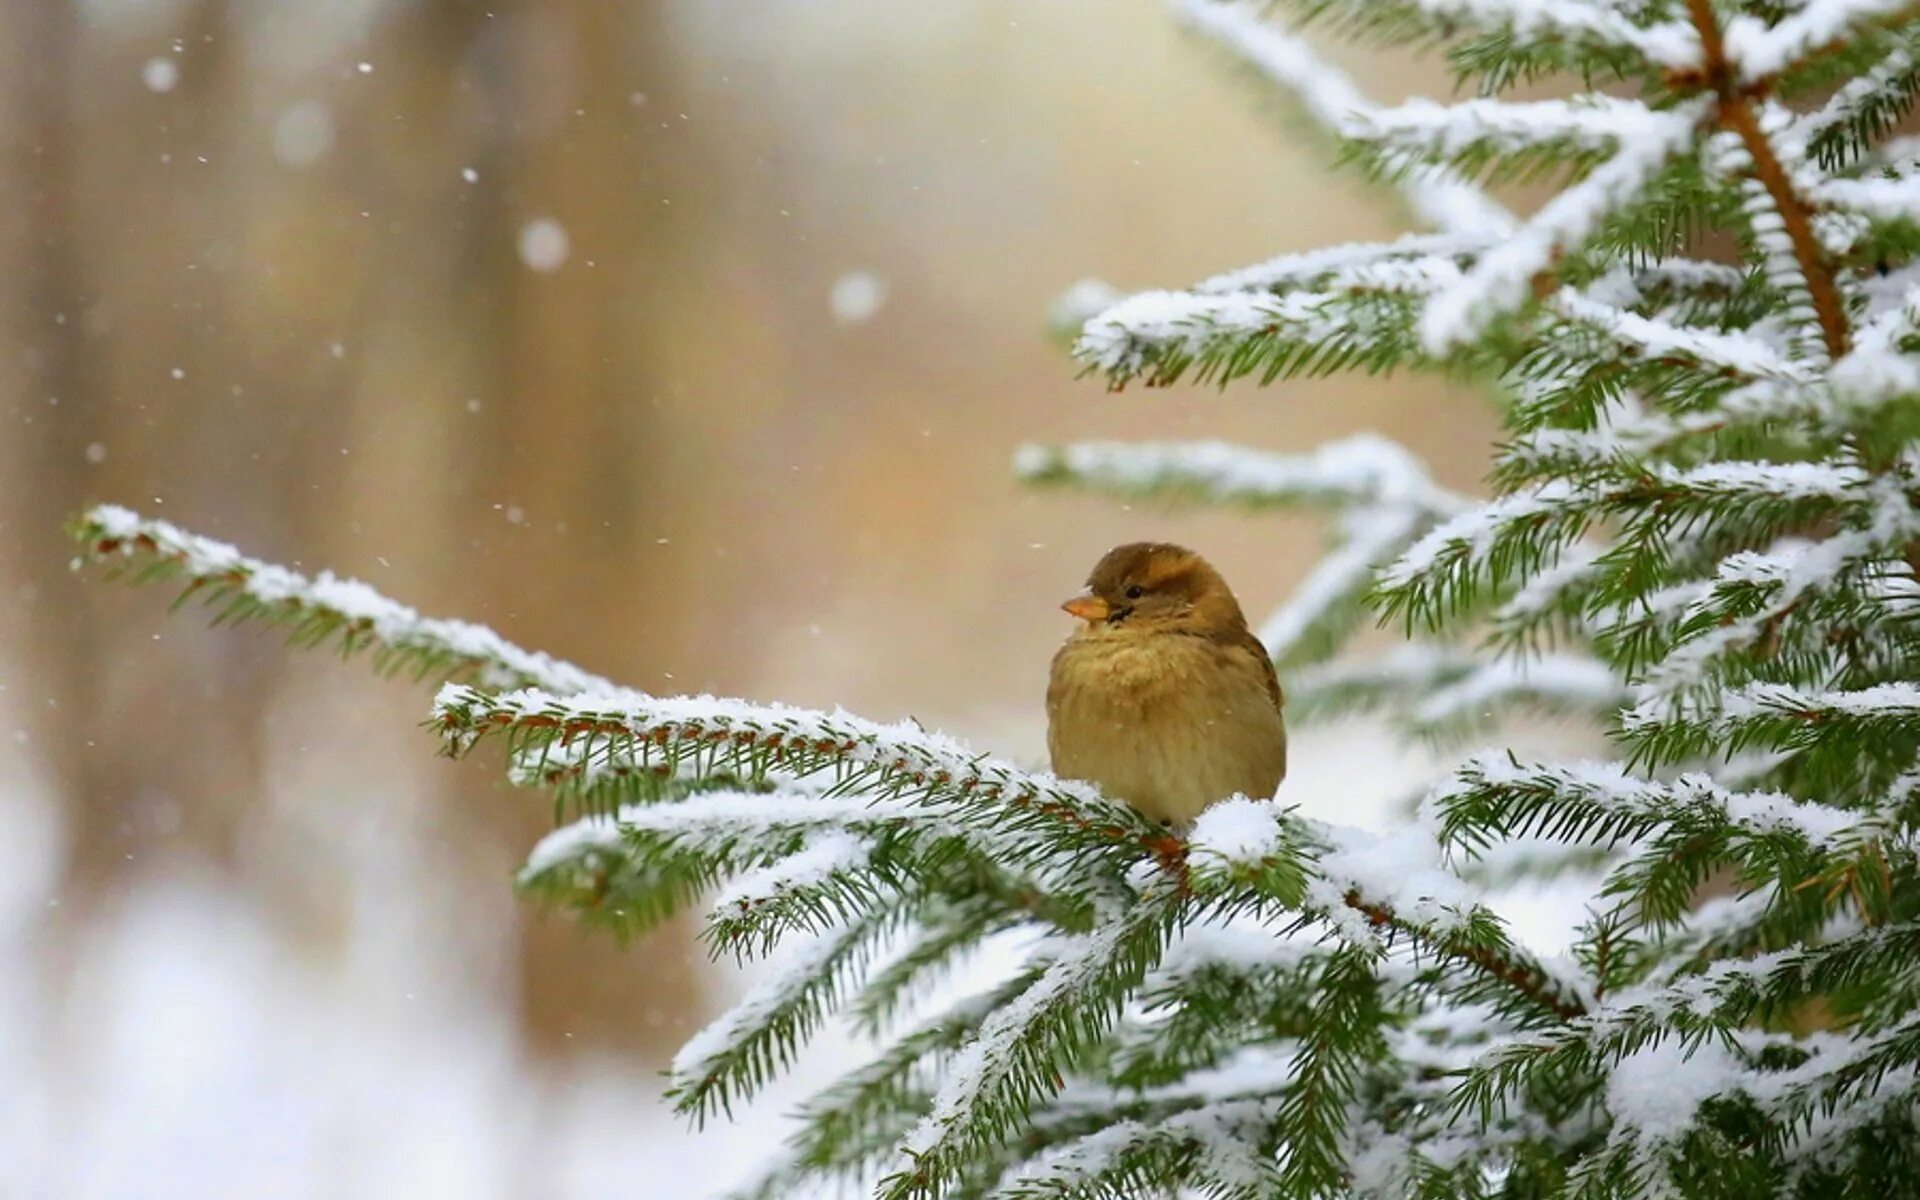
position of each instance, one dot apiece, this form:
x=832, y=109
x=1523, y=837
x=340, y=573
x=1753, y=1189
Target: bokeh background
x=689, y=341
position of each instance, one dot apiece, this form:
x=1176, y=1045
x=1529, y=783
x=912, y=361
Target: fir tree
x=1704, y=537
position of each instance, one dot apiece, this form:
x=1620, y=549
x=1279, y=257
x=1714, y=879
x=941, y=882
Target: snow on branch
x=1760, y=50
x=1421, y=257
x=1864, y=108
x=1500, y=281
x=1159, y=336
x=1219, y=1138
x=1361, y=470
x=1325, y=605
x=1770, y=715
x=1714, y=1005
x=1527, y=530
x=1880, y=368
x=746, y=1045
x=1471, y=131
x=900, y=760
x=1439, y=691
x=1739, y=353
x=995, y=1079
x=1441, y=198
x=1788, y=597
x=318, y=609
x=1494, y=796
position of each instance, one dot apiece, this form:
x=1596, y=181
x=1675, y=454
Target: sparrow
x=1162, y=696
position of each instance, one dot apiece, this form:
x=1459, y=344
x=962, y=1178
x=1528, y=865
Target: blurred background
x=689, y=341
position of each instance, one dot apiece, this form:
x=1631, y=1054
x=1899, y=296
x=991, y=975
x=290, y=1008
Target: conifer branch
x=1736, y=112
x=317, y=610
x=898, y=761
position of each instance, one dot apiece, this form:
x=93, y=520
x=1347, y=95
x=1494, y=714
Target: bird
x=1161, y=696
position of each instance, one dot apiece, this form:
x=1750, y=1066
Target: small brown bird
x=1163, y=697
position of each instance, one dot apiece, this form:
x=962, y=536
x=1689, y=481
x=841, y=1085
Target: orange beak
x=1089, y=607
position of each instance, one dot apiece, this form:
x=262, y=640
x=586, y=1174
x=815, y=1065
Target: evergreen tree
x=1704, y=536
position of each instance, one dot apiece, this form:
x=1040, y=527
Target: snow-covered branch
x=319, y=609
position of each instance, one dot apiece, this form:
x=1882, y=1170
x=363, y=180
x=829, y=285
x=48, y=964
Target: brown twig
x=1736, y=112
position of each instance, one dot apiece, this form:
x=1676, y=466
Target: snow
x=1079, y=965
x=1244, y=948
x=903, y=750
x=1733, y=708
x=1362, y=469
x=1400, y=870
x=1877, y=369
x=544, y=245
x=572, y=842
x=856, y=296
x=1760, y=51
x=1081, y=303
x=1739, y=352
x=303, y=134
x=160, y=74
x=827, y=853
x=1370, y=537
x=1429, y=128
x=1570, y=679
x=1116, y=341
x=1223, y=1133
x=1612, y=785
x=1441, y=198
x=1474, y=530
x=1312, y=266
x=1499, y=281
x=1238, y=831
x=706, y=1051
x=1657, y=1091
x=501, y=662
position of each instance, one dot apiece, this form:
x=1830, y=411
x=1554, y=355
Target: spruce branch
x=1735, y=111
x=1003, y=1071
x=315, y=611
x=1037, y=814
x=1363, y=470
x=1441, y=198
x=748, y=1044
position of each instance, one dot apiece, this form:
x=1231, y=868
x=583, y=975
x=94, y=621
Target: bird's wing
x=1245, y=640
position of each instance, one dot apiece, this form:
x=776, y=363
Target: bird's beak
x=1089, y=607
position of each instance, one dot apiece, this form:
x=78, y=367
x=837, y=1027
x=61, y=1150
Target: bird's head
x=1154, y=587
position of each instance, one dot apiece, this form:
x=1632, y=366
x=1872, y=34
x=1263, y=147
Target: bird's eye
x=1135, y=592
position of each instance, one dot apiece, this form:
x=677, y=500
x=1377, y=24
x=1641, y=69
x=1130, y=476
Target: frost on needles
x=1702, y=542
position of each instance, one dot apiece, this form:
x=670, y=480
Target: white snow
x=1238, y=832
x=1739, y=352
x=1082, y=302
x=828, y=852
x=1400, y=869
x=1591, y=121
x=303, y=134
x=1079, y=963
x=856, y=296
x=1433, y=252
x=1370, y=536
x=544, y=245
x=1761, y=51
x=799, y=973
x=1440, y=197
x=502, y=663
x=160, y=74
x=1499, y=281
x=1363, y=468
x=1657, y=1091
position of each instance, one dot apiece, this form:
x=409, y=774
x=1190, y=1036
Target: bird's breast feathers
x=1166, y=723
